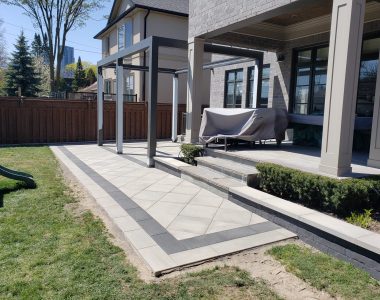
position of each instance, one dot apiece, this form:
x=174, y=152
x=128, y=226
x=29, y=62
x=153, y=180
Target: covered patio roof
x=152, y=45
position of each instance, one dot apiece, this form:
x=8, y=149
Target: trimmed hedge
x=328, y=194
x=189, y=152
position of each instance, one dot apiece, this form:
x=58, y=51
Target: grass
x=48, y=252
x=326, y=273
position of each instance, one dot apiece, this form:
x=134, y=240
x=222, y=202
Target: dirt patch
x=255, y=261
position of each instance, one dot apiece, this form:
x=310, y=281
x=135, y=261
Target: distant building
x=68, y=58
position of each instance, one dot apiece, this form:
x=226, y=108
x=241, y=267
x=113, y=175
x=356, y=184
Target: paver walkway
x=169, y=221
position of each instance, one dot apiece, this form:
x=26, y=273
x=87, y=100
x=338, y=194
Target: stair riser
x=250, y=180
x=240, y=160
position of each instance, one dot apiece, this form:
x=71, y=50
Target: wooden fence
x=31, y=121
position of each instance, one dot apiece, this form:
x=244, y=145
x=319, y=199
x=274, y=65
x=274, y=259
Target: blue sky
x=81, y=39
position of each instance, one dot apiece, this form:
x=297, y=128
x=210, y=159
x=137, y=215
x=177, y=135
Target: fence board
x=35, y=120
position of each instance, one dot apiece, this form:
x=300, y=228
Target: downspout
x=144, y=75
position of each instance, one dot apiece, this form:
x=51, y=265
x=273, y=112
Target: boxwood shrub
x=339, y=196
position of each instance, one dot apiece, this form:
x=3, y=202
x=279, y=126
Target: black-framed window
x=367, y=77
x=251, y=96
x=233, y=88
x=262, y=102
x=310, y=80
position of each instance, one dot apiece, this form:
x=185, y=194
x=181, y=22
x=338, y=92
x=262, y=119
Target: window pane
x=231, y=76
x=238, y=94
x=239, y=75
x=371, y=46
x=322, y=54
x=265, y=89
x=367, y=88
x=300, y=109
x=320, y=75
x=303, y=76
x=304, y=56
x=120, y=37
x=302, y=94
x=266, y=72
x=128, y=34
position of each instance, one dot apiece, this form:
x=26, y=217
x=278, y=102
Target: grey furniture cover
x=245, y=124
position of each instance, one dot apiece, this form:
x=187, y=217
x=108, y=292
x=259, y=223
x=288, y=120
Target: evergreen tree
x=37, y=49
x=21, y=72
x=79, y=76
x=91, y=77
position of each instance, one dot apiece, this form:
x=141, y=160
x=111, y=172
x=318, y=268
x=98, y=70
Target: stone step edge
x=202, y=161
x=309, y=217
x=232, y=156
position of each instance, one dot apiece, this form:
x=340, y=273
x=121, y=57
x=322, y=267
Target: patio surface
x=169, y=221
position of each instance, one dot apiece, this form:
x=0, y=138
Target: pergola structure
x=152, y=45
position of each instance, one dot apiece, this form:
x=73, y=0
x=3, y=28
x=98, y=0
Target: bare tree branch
x=55, y=19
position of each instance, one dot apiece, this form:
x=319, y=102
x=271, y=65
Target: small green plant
x=363, y=220
x=189, y=152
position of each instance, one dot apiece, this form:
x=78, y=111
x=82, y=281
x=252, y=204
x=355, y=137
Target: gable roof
x=175, y=7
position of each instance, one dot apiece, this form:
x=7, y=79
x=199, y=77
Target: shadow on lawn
x=12, y=188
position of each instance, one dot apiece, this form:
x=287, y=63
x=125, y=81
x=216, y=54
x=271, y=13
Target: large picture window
x=310, y=81
x=234, y=89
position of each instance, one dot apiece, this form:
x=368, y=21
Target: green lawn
x=48, y=252
x=326, y=273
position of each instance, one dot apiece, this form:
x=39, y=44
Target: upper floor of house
x=131, y=21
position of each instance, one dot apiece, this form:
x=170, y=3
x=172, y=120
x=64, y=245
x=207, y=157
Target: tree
x=79, y=76
x=3, y=52
x=43, y=70
x=37, y=45
x=55, y=19
x=21, y=72
x=91, y=77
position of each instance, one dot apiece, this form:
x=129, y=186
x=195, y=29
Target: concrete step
x=214, y=181
x=228, y=167
x=232, y=156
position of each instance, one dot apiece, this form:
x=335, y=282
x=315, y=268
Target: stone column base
x=335, y=171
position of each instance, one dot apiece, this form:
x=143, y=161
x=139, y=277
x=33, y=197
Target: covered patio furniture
x=243, y=124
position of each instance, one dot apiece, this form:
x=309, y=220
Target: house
x=320, y=63
x=133, y=21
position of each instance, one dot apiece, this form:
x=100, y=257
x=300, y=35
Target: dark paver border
x=153, y=228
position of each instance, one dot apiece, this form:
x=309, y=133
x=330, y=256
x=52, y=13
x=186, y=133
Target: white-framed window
x=107, y=86
x=130, y=84
x=125, y=35
x=106, y=46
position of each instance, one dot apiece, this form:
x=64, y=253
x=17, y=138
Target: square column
x=175, y=109
x=119, y=105
x=100, y=106
x=194, y=89
x=152, y=103
x=374, y=151
x=342, y=83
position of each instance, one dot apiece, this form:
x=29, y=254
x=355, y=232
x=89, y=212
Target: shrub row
x=324, y=193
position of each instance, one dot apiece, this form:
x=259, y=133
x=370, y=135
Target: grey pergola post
x=100, y=107
x=175, y=109
x=152, y=102
x=119, y=105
